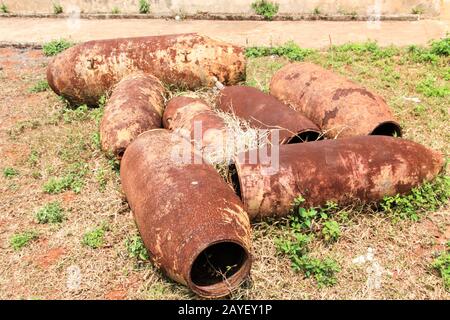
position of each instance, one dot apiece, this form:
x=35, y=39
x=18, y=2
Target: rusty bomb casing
x=264, y=111
x=199, y=123
x=83, y=73
x=362, y=169
x=190, y=220
x=136, y=105
x=340, y=107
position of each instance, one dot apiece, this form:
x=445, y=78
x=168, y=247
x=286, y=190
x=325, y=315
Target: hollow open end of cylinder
x=304, y=136
x=388, y=128
x=219, y=268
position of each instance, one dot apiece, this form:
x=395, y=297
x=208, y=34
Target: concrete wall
x=363, y=7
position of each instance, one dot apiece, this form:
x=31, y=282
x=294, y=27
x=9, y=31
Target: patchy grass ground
x=66, y=231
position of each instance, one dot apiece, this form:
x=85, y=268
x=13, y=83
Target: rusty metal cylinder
x=190, y=220
x=196, y=120
x=83, y=73
x=264, y=111
x=136, y=105
x=361, y=169
x=340, y=107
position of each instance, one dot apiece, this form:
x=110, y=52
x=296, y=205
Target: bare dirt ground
x=40, y=139
x=309, y=34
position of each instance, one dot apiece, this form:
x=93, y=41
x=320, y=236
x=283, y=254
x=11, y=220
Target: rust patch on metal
x=190, y=220
x=83, y=73
x=136, y=105
x=267, y=112
x=340, y=107
x=364, y=168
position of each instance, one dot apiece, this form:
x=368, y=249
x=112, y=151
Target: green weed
x=441, y=47
x=95, y=238
x=4, y=8
x=265, y=8
x=72, y=180
x=50, y=213
x=442, y=265
x=19, y=240
x=429, y=196
x=144, y=6
x=136, y=248
x=429, y=88
x=40, y=86
x=57, y=8
x=115, y=10
x=304, y=225
x=54, y=47
x=10, y=172
x=290, y=50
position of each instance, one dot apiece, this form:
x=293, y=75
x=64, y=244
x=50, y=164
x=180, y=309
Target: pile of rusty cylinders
x=329, y=139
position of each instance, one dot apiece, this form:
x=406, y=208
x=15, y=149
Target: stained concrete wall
x=362, y=7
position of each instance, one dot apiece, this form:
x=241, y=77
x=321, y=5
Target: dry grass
x=37, y=142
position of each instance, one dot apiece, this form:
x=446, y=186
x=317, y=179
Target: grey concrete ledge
x=226, y=16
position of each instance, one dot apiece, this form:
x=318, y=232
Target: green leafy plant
x=40, y=86
x=323, y=270
x=136, y=248
x=442, y=265
x=289, y=50
x=50, y=213
x=72, y=180
x=95, y=238
x=331, y=231
x=265, y=8
x=115, y=10
x=19, y=240
x=429, y=196
x=429, y=88
x=304, y=224
x=420, y=54
x=144, y=6
x=54, y=47
x=441, y=47
x=79, y=113
x=10, y=172
x=417, y=10
x=57, y=8
x=317, y=11
x=4, y=8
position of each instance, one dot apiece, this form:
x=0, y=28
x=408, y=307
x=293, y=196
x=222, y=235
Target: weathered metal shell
x=190, y=220
x=83, y=73
x=267, y=112
x=183, y=113
x=340, y=107
x=363, y=169
x=136, y=105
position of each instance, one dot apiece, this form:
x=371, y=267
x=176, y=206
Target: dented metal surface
x=194, y=118
x=340, y=107
x=136, y=105
x=190, y=220
x=85, y=72
x=364, y=168
x=267, y=112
